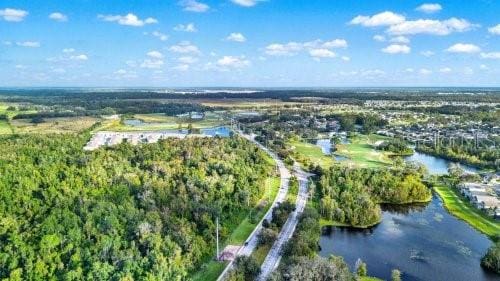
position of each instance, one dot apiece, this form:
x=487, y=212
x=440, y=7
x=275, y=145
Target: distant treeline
x=345, y=95
x=107, y=107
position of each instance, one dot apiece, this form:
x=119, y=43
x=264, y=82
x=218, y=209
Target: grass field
x=12, y=113
x=5, y=128
x=465, y=211
x=312, y=153
x=361, y=152
x=157, y=122
x=209, y=271
x=53, y=125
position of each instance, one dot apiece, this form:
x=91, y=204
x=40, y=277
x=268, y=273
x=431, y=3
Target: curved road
x=252, y=241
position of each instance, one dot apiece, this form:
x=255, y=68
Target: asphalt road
x=252, y=240
x=274, y=256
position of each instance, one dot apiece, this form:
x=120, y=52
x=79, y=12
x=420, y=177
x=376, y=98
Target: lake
x=423, y=241
x=436, y=165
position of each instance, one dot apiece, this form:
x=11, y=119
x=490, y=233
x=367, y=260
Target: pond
x=423, y=241
x=435, y=165
x=217, y=131
x=326, y=147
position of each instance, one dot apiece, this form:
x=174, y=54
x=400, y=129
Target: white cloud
x=382, y=19
x=410, y=70
x=187, y=60
x=396, y=49
x=233, y=62
x=122, y=73
x=81, y=57
x=58, y=17
x=68, y=50
x=495, y=29
x=429, y=8
x=425, y=71
x=336, y=43
x=152, y=63
x=432, y=27
x=181, y=67
x=246, y=3
x=236, y=37
x=159, y=35
x=445, y=70
x=194, y=6
x=400, y=39
x=321, y=53
x=427, y=53
x=154, y=55
x=483, y=67
x=28, y=44
x=345, y=58
x=184, y=47
x=190, y=27
x=293, y=48
x=289, y=49
x=463, y=48
x=13, y=15
x=491, y=55
x=379, y=38
x=129, y=19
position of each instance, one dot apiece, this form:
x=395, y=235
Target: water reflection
x=423, y=241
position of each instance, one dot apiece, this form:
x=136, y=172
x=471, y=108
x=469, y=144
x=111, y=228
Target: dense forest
x=351, y=195
x=123, y=213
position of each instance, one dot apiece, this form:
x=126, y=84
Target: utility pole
x=217, y=237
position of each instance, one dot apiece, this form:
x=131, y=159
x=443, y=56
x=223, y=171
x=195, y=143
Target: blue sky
x=316, y=43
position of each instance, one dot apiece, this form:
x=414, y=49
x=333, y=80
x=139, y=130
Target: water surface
x=436, y=165
x=423, y=241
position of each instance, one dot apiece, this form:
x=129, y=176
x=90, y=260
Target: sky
x=249, y=43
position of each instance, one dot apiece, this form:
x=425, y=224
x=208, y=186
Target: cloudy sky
x=317, y=43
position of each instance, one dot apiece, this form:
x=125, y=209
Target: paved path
x=251, y=242
x=274, y=256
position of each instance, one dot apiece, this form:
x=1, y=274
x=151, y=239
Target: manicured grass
x=5, y=128
x=362, y=153
x=312, y=153
x=209, y=271
x=53, y=125
x=158, y=122
x=463, y=210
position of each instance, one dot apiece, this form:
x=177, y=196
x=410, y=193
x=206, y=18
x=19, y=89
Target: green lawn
x=311, y=153
x=465, y=211
x=209, y=271
x=362, y=153
x=5, y=128
x=157, y=122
